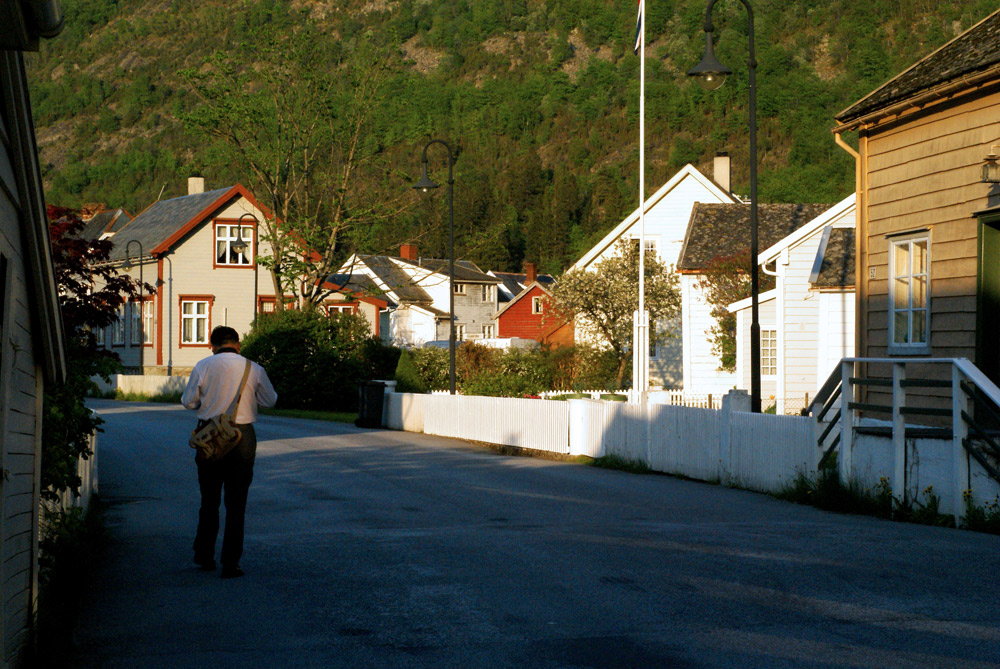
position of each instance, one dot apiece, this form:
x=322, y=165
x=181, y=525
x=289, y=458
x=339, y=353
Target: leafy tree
x=602, y=301
x=305, y=148
x=726, y=280
x=90, y=293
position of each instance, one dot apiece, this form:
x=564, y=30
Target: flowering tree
x=602, y=301
x=726, y=280
x=90, y=295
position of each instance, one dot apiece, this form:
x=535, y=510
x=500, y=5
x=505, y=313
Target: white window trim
x=118, y=328
x=195, y=317
x=339, y=308
x=459, y=332
x=227, y=233
x=774, y=343
x=460, y=289
x=916, y=348
x=536, y=305
x=147, y=321
x=488, y=331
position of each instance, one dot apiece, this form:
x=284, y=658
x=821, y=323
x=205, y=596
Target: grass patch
x=313, y=414
x=984, y=518
x=72, y=544
x=163, y=398
x=620, y=463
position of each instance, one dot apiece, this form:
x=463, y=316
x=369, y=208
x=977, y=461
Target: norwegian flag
x=638, y=30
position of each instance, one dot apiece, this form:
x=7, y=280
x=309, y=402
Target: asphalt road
x=379, y=548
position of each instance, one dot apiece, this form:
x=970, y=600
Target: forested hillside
x=539, y=96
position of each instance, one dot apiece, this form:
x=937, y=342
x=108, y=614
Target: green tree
x=726, y=280
x=602, y=301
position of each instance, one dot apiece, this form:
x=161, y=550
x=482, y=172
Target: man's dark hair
x=222, y=335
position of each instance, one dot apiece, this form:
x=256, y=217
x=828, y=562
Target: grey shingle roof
x=110, y=220
x=358, y=283
x=719, y=230
x=512, y=284
x=974, y=50
x=161, y=220
x=465, y=270
x=837, y=267
x=396, y=279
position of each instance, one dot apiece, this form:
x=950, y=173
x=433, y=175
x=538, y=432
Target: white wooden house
x=32, y=349
x=668, y=214
x=416, y=293
x=807, y=320
x=184, y=248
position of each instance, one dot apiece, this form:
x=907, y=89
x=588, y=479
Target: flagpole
x=641, y=347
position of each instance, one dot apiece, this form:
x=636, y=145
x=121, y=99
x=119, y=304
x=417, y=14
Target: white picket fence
x=756, y=451
x=672, y=397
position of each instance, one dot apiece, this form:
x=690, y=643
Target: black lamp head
x=710, y=72
x=425, y=183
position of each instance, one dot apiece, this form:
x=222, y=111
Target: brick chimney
x=196, y=184
x=530, y=273
x=408, y=251
x=720, y=170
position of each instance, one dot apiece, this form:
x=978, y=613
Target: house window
x=118, y=328
x=99, y=336
x=487, y=332
x=142, y=323
x=460, y=289
x=650, y=245
x=536, y=305
x=487, y=293
x=227, y=235
x=768, y=352
x=195, y=320
x=340, y=309
x=459, y=332
x=908, y=296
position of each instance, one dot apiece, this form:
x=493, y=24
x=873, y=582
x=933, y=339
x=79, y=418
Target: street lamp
x=240, y=246
x=424, y=185
x=127, y=265
x=711, y=75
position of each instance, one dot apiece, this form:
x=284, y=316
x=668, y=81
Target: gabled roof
x=511, y=285
x=835, y=260
x=809, y=229
x=517, y=298
x=686, y=172
x=718, y=230
x=358, y=285
x=107, y=221
x=395, y=279
x=747, y=302
x=974, y=51
x=166, y=222
x=465, y=270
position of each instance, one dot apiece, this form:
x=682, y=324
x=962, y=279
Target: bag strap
x=243, y=383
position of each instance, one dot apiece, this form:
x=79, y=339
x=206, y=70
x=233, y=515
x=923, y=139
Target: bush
x=432, y=367
x=316, y=361
x=407, y=376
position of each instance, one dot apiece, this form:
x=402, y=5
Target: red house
x=527, y=313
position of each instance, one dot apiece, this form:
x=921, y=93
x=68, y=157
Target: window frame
x=908, y=347
x=764, y=339
x=118, y=327
x=460, y=332
x=489, y=330
x=210, y=300
x=251, y=251
x=536, y=305
x=460, y=289
x=341, y=307
x=141, y=315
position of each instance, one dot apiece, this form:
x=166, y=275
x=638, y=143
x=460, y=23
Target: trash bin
x=371, y=397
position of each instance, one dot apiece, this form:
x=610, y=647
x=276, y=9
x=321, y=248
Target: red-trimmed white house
x=184, y=248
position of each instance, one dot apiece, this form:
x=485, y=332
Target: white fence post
x=845, y=460
x=899, y=431
x=960, y=431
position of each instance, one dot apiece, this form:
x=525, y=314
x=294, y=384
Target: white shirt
x=215, y=381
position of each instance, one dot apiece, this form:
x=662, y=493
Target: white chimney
x=721, y=170
x=197, y=185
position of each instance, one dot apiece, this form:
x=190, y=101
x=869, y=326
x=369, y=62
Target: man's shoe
x=231, y=572
x=206, y=563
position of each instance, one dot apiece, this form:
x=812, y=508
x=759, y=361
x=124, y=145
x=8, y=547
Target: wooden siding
x=701, y=366
x=923, y=173
x=520, y=321
x=20, y=383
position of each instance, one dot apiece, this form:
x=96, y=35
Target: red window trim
x=215, y=237
x=181, y=299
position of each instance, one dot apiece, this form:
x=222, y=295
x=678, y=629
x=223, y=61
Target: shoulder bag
x=215, y=437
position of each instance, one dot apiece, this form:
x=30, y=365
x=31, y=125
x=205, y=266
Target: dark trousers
x=230, y=476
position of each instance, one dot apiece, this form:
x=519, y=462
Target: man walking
x=213, y=385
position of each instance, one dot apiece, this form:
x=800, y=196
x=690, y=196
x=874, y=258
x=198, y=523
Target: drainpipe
x=860, y=240
x=780, y=263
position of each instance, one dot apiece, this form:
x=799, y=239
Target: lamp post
x=127, y=265
x=711, y=75
x=240, y=245
x=424, y=185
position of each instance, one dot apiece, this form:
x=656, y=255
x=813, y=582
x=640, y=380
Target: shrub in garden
x=314, y=361
x=407, y=376
x=432, y=367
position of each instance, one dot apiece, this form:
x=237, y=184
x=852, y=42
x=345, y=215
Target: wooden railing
x=970, y=415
